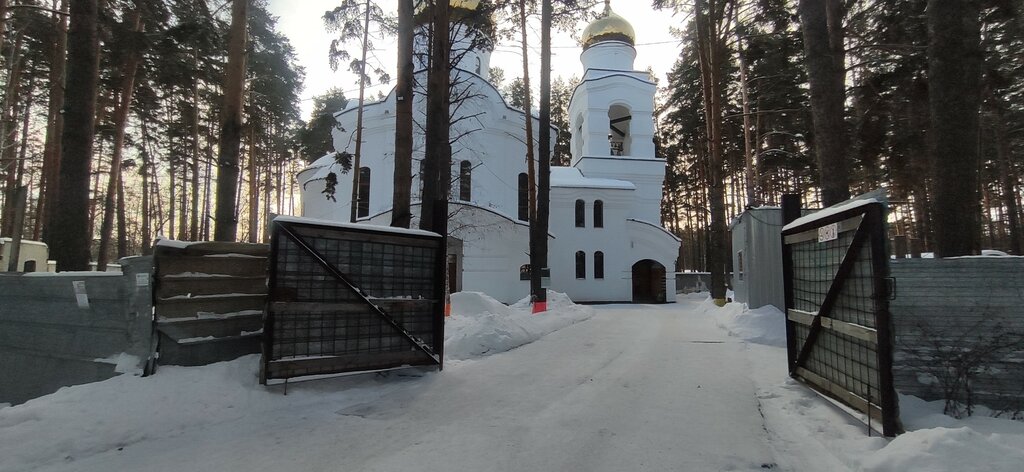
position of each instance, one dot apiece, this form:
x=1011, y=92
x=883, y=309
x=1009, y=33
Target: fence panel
x=960, y=331
x=73, y=328
x=209, y=299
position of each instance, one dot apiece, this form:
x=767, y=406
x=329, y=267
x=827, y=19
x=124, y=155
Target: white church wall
x=648, y=175
x=494, y=248
x=608, y=239
x=485, y=139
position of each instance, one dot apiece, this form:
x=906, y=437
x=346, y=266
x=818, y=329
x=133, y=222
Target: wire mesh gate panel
x=838, y=325
x=346, y=298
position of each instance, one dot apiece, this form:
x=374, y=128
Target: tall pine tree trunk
x=9, y=136
x=122, y=224
x=822, y=24
x=434, y=207
x=194, y=220
x=231, y=124
x=172, y=200
x=70, y=226
x=54, y=126
x=539, y=227
x=3, y=22
x=183, y=203
x=531, y=168
x=954, y=74
x=129, y=71
x=401, y=215
x=711, y=20
x=207, y=177
x=254, y=193
x=147, y=228
x=748, y=145
x=356, y=197
x=1008, y=181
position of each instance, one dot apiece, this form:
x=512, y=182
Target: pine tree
x=71, y=236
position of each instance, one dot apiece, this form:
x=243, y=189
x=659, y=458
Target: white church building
x=606, y=243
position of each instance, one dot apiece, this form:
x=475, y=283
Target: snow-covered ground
x=686, y=386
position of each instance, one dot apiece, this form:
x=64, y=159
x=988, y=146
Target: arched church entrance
x=648, y=282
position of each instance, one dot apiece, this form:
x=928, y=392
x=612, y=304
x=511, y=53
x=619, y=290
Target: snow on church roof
x=571, y=177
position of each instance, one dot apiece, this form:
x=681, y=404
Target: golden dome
x=461, y=4
x=609, y=27
x=458, y=9
x=465, y=4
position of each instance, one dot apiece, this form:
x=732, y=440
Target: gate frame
x=870, y=229
x=283, y=227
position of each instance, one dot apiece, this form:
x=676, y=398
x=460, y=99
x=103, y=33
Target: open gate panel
x=346, y=298
x=837, y=325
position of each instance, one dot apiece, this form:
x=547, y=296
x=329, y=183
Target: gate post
x=790, y=212
x=875, y=217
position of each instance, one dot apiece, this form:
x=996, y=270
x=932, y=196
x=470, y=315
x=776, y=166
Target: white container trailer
x=757, y=257
x=32, y=258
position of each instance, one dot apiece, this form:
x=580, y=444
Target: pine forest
x=128, y=120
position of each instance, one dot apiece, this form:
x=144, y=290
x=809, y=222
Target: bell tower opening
x=619, y=139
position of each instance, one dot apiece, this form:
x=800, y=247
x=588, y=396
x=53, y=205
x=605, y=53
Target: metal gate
x=346, y=298
x=838, y=326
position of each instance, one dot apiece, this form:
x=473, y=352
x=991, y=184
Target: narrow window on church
x=364, y=192
x=598, y=265
x=465, y=181
x=524, y=197
x=598, y=214
x=581, y=265
x=524, y=272
x=423, y=175
x=581, y=214
x=478, y=66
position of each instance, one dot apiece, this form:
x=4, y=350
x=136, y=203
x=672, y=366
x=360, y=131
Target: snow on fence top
x=832, y=210
x=355, y=226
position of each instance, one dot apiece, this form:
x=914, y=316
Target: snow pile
x=85, y=420
x=480, y=325
x=765, y=325
x=952, y=449
x=936, y=442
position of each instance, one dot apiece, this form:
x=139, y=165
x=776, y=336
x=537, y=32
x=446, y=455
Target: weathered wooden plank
x=192, y=307
x=241, y=267
x=837, y=392
x=377, y=238
x=177, y=286
x=286, y=368
x=213, y=247
x=212, y=327
x=857, y=331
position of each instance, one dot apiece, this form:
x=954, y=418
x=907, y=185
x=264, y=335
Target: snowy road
x=634, y=388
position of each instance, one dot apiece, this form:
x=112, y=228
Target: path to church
x=636, y=388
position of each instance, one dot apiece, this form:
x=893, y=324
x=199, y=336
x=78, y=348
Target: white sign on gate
x=828, y=233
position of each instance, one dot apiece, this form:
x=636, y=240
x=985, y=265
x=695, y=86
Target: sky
x=301, y=22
